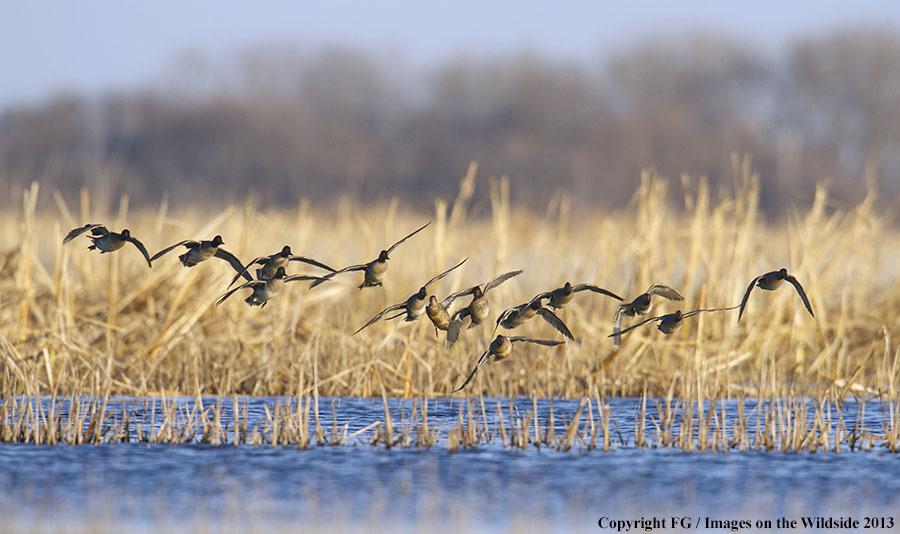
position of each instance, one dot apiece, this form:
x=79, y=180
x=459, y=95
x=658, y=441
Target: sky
x=91, y=46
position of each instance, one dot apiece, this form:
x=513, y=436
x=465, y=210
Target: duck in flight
x=477, y=310
x=641, y=305
x=438, y=311
x=517, y=316
x=375, y=269
x=562, y=296
x=500, y=349
x=270, y=264
x=414, y=306
x=772, y=281
x=263, y=290
x=106, y=241
x=670, y=322
x=198, y=251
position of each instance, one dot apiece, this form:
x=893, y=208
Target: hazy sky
x=92, y=45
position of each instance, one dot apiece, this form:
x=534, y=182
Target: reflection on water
x=354, y=487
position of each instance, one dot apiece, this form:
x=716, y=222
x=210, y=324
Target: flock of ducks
x=271, y=276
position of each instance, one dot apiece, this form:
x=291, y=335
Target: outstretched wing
x=140, y=246
x=481, y=361
x=500, y=279
x=596, y=289
x=78, y=231
x=546, y=342
x=395, y=245
x=223, y=254
x=555, y=322
x=312, y=262
x=620, y=333
x=187, y=243
x=253, y=284
x=793, y=281
x=443, y=274
x=617, y=325
x=664, y=291
x=453, y=296
x=695, y=312
x=260, y=260
x=329, y=276
x=301, y=277
x=380, y=314
x=747, y=296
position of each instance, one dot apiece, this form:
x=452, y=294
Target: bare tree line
x=288, y=123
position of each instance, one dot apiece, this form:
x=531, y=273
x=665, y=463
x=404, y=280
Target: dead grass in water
x=74, y=322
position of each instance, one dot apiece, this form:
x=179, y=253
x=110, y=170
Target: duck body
x=106, y=241
x=375, y=271
x=264, y=291
x=438, y=314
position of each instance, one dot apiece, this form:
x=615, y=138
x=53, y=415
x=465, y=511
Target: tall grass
x=74, y=322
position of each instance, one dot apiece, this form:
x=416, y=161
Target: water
x=357, y=487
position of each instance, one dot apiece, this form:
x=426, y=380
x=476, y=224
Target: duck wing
x=545, y=342
x=223, y=254
x=312, y=262
x=456, y=326
x=260, y=260
x=555, y=322
x=500, y=279
x=481, y=361
x=187, y=243
x=380, y=314
x=78, y=231
x=395, y=245
x=301, y=278
x=665, y=292
x=747, y=296
x=329, y=276
x=617, y=324
x=620, y=333
x=140, y=246
x=597, y=289
x=443, y=274
x=453, y=296
x=793, y=281
x=253, y=284
x=695, y=312
x=506, y=314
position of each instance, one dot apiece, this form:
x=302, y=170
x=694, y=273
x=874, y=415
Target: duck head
x=217, y=241
x=285, y=252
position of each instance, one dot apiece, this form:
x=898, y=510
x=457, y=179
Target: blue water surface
x=357, y=487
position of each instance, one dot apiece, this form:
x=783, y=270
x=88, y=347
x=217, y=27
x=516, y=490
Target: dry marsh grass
x=772, y=424
x=74, y=322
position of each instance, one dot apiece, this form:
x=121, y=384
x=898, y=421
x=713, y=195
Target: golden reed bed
x=76, y=322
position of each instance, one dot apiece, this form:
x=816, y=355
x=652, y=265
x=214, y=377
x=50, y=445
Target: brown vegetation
x=76, y=322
